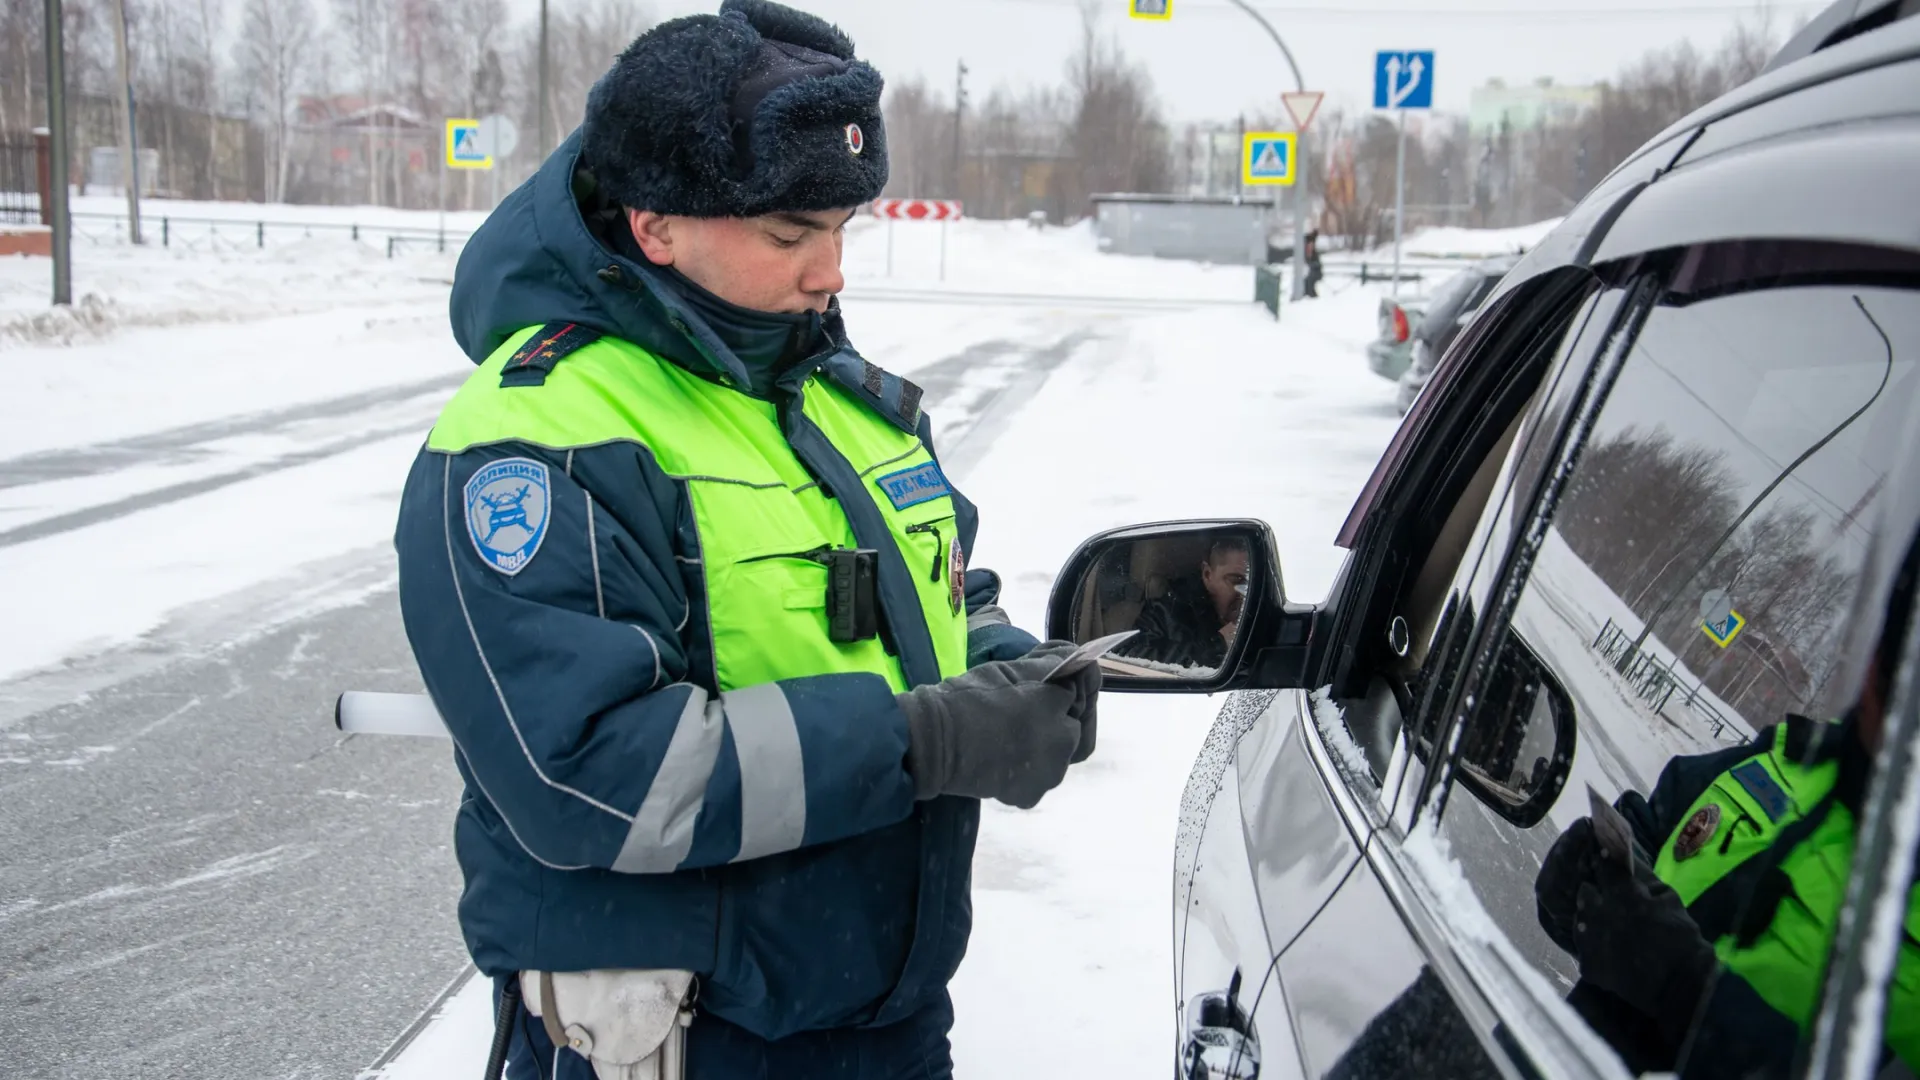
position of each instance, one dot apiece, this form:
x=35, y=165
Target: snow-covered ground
x=1450, y=242
x=1191, y=402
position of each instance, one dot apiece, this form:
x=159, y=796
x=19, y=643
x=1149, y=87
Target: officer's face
x=785, y=263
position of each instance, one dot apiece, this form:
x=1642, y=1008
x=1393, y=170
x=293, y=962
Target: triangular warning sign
x=1301, y=105
x=1269, y=159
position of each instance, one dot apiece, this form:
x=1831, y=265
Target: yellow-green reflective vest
x=757, y=512
x=1786, y=965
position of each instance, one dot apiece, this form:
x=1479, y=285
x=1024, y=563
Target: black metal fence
x=19, y=180
x=225, y=234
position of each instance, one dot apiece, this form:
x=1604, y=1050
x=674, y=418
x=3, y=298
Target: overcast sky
x=1212, y=61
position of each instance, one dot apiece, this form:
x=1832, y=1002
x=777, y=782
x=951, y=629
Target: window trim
x=1481, y=648
x=1424, y=458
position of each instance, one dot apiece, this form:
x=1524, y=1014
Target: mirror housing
x=1505, y=757
x=1096, y=594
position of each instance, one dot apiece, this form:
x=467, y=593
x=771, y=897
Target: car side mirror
x=1517, y=750
x=1204, y=599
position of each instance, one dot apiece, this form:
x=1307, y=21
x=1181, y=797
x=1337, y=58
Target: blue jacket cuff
x=998, y=641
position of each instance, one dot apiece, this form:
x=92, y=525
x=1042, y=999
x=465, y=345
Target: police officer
x=1706, y=955
x=683, y=574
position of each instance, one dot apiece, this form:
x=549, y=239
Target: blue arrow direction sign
x=1403, y=80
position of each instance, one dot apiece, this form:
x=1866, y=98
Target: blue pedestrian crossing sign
x=1158, y=10
x=1268, y=157
x=465, y=149
x=1403, y=80
x=1724, y=629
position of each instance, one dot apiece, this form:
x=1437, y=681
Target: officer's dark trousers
x=913, y=1049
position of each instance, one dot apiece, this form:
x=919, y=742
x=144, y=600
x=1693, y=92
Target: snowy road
x=202, y=879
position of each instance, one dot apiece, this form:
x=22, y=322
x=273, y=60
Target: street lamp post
x=541, y=127
x=57, y=211
x=1300, y=153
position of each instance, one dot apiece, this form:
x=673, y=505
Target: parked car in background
x=1390, y=354
x=1450, y=307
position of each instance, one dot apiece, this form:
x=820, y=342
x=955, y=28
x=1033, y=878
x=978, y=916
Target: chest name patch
x=507, y=506
x=1764, y=788
x=911, y=487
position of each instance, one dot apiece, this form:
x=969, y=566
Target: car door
x=1368, y=992
x=1285, y=936
x=1271, y=827
x=1678, y=569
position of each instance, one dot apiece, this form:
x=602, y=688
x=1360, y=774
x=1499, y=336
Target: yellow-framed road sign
x=463, y=146
x=1157, y=10
x=1270, y=157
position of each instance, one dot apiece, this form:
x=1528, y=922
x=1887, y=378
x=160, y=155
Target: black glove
x=995, y=732
x=1556, y=892
x=1574, y=858
x=1086, y=688
x=1636, y=941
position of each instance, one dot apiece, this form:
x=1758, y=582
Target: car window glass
x=1688, y=599
x=1450, y=583
x=1366, y=731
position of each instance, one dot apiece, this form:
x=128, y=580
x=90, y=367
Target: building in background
x=1526, y=108
x=1227, y=230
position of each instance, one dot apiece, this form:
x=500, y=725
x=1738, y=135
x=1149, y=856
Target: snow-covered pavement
x=173, y=489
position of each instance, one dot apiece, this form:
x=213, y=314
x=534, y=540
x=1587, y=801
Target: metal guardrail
x=195, y=232
x=1366, y=270
x=19, y=181
x=1653, y=681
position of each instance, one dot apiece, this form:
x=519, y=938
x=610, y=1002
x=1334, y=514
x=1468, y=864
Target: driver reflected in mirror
x=1194, y=621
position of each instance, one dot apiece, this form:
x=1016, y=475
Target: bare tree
x=271, y=54
x=918, y=121
x=367, y=27
x=1118, y=138
x=210, y=17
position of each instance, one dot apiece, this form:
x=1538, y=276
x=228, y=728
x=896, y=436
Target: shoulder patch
x=888, y=394
x=508, y=503
x=533, y=361
x=911, y=487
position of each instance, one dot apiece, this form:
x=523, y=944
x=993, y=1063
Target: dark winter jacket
x=565, y=682
x=1178, y=628
x=1736, y=1034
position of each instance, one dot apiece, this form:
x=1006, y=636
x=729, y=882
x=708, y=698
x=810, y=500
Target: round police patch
x=507, y=506
x=856, y=139
x=1696, y=832
x=957, y=576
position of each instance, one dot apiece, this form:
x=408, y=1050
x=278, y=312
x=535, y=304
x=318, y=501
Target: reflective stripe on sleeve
x=773, y=782
x=662, y=831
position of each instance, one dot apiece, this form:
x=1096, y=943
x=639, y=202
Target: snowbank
x=1447, y=242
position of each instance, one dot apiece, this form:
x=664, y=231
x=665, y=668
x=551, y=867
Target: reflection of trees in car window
x=1711, y=489
x=1693, y=585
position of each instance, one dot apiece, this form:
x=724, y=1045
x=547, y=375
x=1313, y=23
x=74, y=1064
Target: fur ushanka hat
x=758, y=109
